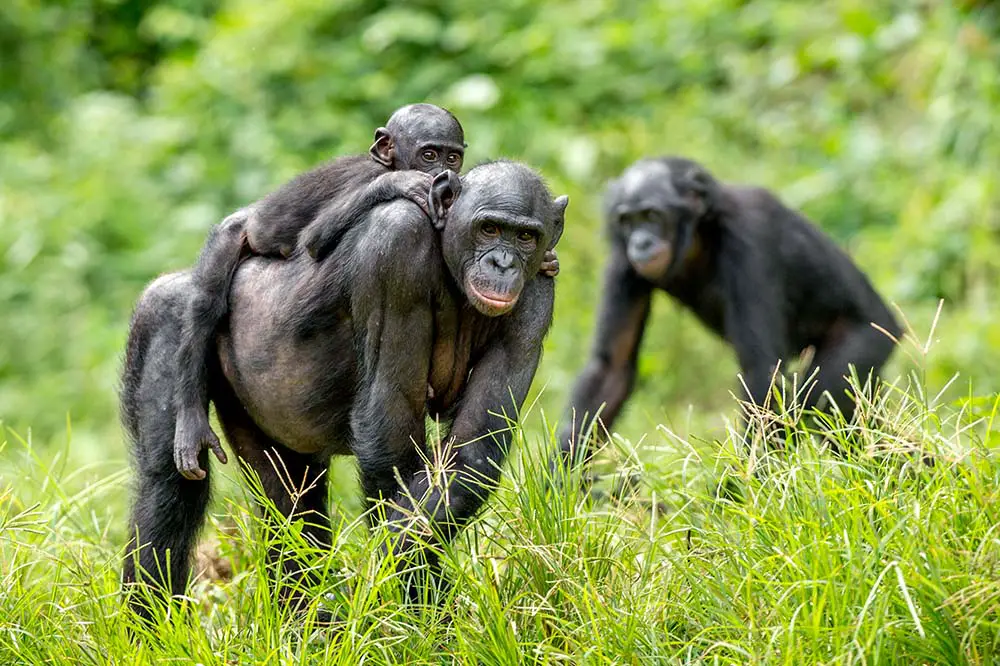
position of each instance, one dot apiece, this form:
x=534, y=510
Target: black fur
x=330, y=199
x=755, y=272
x=348, y=357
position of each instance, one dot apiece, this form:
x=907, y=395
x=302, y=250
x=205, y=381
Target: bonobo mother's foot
x=192, y=434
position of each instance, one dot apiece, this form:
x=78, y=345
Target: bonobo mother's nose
x=502, y=261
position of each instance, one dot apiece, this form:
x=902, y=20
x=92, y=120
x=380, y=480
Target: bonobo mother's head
x=497, y=223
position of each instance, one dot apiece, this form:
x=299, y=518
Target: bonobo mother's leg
x=206, y=305
x=295, y=483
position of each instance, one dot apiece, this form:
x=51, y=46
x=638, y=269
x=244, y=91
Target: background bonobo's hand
x=550, y=264
x=192, y=434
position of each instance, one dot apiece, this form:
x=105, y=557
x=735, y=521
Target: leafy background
x=127, y=129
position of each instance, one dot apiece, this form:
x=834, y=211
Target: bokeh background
x=127, y=129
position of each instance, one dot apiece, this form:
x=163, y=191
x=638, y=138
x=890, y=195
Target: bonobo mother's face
x=496, y=231
x=646, y=211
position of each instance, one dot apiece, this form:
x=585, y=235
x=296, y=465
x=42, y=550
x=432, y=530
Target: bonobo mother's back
x=289, y=349
x=327, y=354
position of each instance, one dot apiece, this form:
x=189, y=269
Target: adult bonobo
x=755, y=272
x=329, y=199
x=348, y=356
x=419, y=141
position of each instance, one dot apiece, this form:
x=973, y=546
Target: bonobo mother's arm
x=393, y=311
x=488, y=409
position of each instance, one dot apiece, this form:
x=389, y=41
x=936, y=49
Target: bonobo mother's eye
x=527, y=236
x=490, y=229
x=430, y=155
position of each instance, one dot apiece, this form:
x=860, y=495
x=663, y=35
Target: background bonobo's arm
x=481, y=432
x=341, y=214
x=609, y=376
x=753, y=316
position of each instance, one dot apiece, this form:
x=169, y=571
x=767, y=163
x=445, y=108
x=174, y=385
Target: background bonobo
x=755, y=272
x=330, y=198
x=334, y=358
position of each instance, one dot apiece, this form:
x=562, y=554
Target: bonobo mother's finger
x=550, y=264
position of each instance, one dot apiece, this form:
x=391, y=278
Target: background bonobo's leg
x=860, y=345
x=295, y=483
x=605, y=384
x=167, y=509
x=207, y=304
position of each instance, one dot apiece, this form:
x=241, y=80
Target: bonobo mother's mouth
x=492, y=304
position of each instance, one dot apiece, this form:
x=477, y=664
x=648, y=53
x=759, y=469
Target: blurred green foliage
x=128, y=128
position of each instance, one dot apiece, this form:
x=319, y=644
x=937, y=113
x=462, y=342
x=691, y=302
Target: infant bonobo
x=418, y=142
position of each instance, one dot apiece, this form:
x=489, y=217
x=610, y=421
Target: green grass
x=808, y=557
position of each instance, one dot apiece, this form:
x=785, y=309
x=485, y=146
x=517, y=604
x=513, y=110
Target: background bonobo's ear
x=381, y=151
x=558, y=219
x=445, y=188
x=700, y=190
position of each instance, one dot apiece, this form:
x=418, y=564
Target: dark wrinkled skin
x=349, y=356
x=753, y=271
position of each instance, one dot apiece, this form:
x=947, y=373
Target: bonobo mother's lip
x=502, y=304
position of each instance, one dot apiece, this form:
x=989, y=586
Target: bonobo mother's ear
x=558, y=219
x=445, y=188
x=382, y=150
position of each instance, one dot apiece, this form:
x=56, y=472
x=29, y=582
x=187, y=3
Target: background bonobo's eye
x=430, y=155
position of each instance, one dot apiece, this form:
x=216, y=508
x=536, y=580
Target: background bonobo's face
x=648, y=212
x=422, y=137
x=497, y=231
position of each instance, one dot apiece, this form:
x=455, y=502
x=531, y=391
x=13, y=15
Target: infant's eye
x=453, y=158
x=430, y=155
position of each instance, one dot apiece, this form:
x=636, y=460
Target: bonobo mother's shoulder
x=399, y=237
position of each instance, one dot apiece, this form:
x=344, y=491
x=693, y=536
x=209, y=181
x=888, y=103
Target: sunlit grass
x=886, y=554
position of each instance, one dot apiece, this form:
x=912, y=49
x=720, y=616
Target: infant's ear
x=381, y=150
